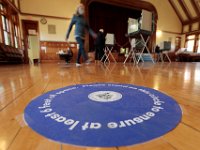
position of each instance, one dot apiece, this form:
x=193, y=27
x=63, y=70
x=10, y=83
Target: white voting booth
x=137, y=29
x=110, y=42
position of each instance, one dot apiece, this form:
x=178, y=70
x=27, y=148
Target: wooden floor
x=19, y=84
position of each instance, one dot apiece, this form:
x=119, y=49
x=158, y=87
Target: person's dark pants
x=81, y=50
x=99, y=52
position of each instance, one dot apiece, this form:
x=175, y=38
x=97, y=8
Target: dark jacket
x=100, y=40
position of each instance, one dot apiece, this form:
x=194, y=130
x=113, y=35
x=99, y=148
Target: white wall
x=167, y=37
x=167, y=18
x=61, y=8
x=58, y=8
x=61, y=29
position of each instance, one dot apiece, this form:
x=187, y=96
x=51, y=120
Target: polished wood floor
x=19, y=84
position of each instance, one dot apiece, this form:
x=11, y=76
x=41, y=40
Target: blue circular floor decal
x=103, y=114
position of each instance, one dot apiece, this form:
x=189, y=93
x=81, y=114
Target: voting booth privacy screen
x=110, y=39
x=145, y=22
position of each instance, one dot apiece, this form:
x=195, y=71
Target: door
x=34, y=48
x=29, y=28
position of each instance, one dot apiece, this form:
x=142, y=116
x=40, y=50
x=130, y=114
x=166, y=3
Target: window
x=9, y=32
x=190, y=43
x=6, y=30
x=5, y=25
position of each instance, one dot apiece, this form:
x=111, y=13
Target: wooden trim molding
x=19, y=6
x=46, y=16
x=191, y=21
x=192, y=32
x=11, y=5
x=171, y=32
x=199, y=25
x=39, y=15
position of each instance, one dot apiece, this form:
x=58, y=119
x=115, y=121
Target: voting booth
x=110, y=42
x=137, y=30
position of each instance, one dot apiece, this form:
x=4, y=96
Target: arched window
x=5, y=25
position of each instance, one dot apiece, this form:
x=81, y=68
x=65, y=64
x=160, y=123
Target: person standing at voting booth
x=99, y=45
x=80, y=26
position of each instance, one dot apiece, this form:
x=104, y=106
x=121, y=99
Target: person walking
x=80, y=26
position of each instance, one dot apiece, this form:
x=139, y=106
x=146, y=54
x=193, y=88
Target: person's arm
x=73, y=21
x=91, y=32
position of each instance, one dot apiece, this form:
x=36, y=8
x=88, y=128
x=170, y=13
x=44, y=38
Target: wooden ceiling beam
x=176, y=11
x=183, y=6
x=191, y=21
x=195, y=7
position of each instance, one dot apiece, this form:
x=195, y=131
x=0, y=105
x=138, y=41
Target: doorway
x=31, y=41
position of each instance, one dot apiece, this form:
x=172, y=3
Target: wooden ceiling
x=188, y=11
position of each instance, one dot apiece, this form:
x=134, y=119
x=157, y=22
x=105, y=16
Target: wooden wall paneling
x=52, y=48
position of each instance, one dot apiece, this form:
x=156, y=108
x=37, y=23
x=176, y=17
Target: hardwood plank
x=178, y=80
x=157, y=144
x=184, y=138
x=10, y=125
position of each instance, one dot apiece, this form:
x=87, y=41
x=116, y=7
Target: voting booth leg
x=145, y=46
x=159, y=57
x=108, y=53
x=104, y=56
x=166, y=54
x=131, y=54
x=61, y=147
x=128, y=55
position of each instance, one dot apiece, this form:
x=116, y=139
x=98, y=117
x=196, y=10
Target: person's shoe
x=78, y=65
